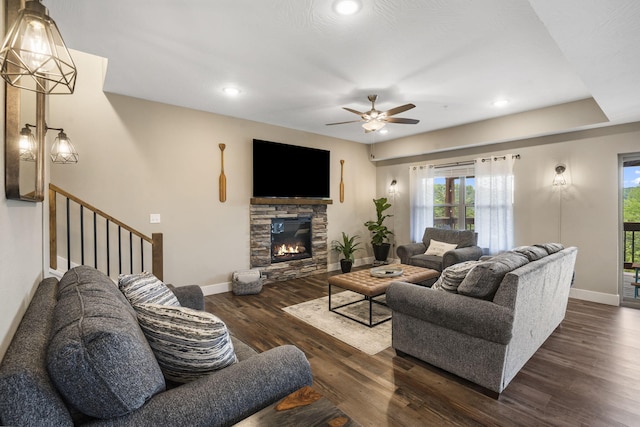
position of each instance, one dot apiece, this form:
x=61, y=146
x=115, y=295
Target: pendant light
x=33, y=55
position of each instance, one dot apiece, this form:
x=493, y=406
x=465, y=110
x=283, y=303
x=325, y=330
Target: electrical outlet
x=154, y=218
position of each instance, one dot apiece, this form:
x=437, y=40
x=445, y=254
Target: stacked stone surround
x=260, y=240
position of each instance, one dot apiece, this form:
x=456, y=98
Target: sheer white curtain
x=494, y=203
x=421, y=185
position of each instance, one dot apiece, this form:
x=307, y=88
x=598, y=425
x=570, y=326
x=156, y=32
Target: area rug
x=368, y=340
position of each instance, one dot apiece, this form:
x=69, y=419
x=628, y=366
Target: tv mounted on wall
x=283, y=170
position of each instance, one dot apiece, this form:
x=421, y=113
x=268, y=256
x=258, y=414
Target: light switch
x=154, y=218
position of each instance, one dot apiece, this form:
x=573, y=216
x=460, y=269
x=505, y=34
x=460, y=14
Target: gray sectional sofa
x=502, y=311
x=111, y=370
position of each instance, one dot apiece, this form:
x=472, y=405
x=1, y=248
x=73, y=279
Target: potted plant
x=379, y=232
x=346, y=247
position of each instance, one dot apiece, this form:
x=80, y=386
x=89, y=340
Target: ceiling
x=297, y=62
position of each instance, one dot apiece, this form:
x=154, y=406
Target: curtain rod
x=472, y=162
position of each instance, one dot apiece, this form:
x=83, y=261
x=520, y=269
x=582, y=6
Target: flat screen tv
x=283, y=170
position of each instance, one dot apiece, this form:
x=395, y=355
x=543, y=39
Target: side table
x=304, y=407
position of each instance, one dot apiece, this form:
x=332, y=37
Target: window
x=475, y=196
x=442, y=197
x=453, y=202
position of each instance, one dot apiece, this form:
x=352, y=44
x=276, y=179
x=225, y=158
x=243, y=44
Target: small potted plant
x=347, y=248
x=379, y=232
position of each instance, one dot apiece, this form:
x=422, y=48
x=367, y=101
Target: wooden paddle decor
x=223, y=179
x=341, y=181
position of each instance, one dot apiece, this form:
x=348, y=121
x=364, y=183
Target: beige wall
x=139, y=157
x=20, y=251
x=586, y=214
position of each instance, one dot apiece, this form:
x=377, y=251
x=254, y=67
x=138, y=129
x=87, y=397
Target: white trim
x=216, y=288
x=599, y=297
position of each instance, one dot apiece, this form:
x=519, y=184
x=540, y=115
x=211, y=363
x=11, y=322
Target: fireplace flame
x=285, y=250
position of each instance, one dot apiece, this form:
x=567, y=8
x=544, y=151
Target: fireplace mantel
x=289, y=201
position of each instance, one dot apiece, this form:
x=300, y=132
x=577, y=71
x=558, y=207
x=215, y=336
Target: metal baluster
x=95, y=242
x=108, y=252
x=119, y=250
x=81, y=234
x=68, y=237
x=131, y=252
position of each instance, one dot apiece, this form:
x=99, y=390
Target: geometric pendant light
x=62, y=151
x=33, y=55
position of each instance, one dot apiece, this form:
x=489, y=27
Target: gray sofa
x=503, y=310
x=466, y=250
x=131, y=385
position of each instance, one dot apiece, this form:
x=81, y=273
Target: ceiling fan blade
x=399, y=109
x=341, y=123
x=401, y=120
x=351, y=110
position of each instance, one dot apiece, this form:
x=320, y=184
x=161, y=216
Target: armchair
x=466, y=249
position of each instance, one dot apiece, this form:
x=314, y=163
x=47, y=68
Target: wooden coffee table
x=370, y=287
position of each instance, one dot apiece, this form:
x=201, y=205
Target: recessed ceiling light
x=383, y=131
x=346, y=7
x=231, y=91
x=500, y=103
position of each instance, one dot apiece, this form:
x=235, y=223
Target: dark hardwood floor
x=586, y=374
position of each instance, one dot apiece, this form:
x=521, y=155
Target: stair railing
x=97, y=238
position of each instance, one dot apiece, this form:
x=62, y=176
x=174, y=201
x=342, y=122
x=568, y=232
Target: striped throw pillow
x=187, y=343
x=145, y=288
x=453, y=275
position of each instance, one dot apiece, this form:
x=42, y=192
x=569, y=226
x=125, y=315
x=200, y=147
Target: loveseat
x=112, y=377
x=431, y=253
x=486, y=327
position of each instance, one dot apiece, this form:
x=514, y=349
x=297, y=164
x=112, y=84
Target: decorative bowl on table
x=386, y=271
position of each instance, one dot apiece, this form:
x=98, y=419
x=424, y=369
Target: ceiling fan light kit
x=373, y=125
x=347, y=7
x=375, y=120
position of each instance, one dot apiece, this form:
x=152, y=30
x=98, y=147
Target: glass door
x=630, y=293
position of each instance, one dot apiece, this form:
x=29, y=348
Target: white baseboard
x=216, y=288
x=592, y=296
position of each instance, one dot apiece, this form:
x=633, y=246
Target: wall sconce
x=33, y=55
x=559, y=179
x=62, y=150
x=393, y=187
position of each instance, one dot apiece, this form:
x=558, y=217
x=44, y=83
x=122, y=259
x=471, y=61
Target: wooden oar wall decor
x=341, y=181
x=223, y=178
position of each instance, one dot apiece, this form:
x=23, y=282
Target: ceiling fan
x=375, y=120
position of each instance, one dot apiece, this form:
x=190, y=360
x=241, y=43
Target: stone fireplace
x=288, y=237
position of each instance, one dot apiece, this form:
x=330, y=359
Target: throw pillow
x=98, y=358
x=551, y=248
x=485, y=278
x=533, y=253
x=439, y=248
x=453, y=275
x=188, y=343
x=145, y=288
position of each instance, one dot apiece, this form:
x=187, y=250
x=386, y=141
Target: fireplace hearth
x=290, y=239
